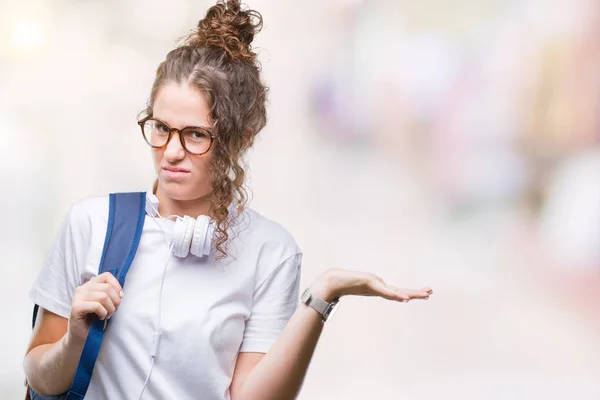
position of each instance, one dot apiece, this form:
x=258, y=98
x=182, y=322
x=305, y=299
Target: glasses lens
x=197, y=141
x=155, y=132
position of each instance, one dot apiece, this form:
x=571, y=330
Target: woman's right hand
x=101, y=297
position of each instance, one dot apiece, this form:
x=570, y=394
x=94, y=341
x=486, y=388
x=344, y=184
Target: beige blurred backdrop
x=452, y=144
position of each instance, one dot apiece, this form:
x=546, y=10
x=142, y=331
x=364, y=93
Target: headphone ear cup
x=200, y=236
x=183, y=232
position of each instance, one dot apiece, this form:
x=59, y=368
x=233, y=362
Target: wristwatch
x=319, y=305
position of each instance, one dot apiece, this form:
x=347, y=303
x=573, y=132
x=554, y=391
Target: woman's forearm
x=280, y=373
x=50, y=368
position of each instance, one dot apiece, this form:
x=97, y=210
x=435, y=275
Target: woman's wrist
x=325, y=286
x=72, y=343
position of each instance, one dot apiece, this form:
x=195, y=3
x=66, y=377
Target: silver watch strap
x=318, y=304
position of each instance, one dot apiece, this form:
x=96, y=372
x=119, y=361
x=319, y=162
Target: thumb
x=387, y=291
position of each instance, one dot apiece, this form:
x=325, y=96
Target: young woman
x=224, y=321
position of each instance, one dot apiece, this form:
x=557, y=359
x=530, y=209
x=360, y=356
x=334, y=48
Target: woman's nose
x=174, y=150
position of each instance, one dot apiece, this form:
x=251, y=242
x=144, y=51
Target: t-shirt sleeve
x=275, y=301
x=54, y=287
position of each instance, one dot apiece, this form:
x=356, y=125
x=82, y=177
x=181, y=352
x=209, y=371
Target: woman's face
x=182, y=176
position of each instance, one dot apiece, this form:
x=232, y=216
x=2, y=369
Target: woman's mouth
x=174, y=174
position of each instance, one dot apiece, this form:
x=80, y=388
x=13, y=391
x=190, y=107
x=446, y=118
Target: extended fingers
x=409, y=294
x=388, y=291
x=391, y=292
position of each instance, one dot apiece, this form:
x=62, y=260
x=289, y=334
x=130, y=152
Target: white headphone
x=189, y=235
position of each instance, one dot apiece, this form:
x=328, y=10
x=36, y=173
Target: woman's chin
x=181, y=191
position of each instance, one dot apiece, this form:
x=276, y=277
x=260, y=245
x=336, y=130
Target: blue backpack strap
x=125, y=223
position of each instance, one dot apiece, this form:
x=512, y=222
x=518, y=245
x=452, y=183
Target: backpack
x=125, y=222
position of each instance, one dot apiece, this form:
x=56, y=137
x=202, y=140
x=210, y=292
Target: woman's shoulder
x=91, y=205
x=89, y=210
x=261, y=230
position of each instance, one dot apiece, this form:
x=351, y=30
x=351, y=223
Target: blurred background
x=445, y=143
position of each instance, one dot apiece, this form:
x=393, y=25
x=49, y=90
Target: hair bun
x=228, y=26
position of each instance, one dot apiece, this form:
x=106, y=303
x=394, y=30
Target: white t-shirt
x=210, y=312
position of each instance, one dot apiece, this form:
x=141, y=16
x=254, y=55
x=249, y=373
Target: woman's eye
x=199, y=135
x=162, y=128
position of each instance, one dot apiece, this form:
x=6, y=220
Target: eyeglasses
x=195, y=140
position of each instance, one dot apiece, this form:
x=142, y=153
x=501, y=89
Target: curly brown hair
x=217, y=58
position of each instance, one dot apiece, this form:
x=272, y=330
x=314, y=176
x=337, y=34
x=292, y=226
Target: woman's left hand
x=337, y=282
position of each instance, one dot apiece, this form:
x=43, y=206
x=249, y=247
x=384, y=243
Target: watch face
x=332, y=310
